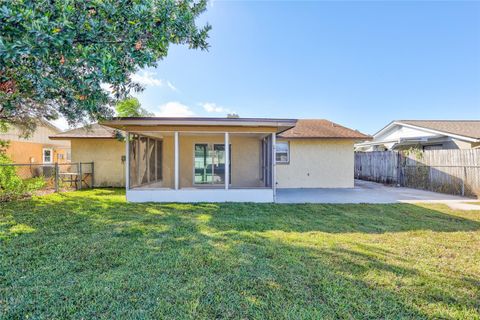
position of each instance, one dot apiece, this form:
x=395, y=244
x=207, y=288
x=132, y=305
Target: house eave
x=400, y=123
x=77, y=137
x=323, y=138
x=149, y=122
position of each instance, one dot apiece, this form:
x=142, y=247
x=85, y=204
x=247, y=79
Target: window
x=69, y=155
x=60, y=156
x=47, y=155
x=282, y=152
x=209, y=163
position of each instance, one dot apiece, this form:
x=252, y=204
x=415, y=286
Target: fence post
x=400, y=169
x=93, y=175
x=463, y=180
x=430, y=182
x=80, y=175
x=56, y=176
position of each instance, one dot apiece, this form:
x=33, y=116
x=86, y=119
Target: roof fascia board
x=400, y=140
x=374, y=143
x=76, y=137
x=387, y=127
x=221, y=122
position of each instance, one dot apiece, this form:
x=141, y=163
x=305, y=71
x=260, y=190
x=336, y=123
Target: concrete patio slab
x=367, y=192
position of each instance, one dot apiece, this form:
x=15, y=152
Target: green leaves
x=131, y=107
x=54, y=55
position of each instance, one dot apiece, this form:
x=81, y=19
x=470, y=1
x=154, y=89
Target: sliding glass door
x=209, y=164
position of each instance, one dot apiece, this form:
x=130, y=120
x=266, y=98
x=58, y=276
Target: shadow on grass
x=93, y=255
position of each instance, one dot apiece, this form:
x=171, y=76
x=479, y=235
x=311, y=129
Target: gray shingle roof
x=321, y=129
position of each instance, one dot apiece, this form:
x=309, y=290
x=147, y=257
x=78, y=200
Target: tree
x=131, y=107
x=56, y=57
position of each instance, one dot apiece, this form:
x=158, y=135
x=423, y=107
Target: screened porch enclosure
x=145, y=160
x=195, y=159
x=199, y=160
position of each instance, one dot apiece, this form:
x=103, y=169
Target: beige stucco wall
x=107, y=157
x=313, y=163
x=109, y=170
x=316, y=163
x=245, y=158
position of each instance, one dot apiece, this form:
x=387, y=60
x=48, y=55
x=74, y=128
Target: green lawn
x=89, y=254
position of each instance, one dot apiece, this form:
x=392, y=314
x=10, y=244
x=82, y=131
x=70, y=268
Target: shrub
x=12, y=186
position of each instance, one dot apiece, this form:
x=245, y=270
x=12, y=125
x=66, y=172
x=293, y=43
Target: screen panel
x=133, y=161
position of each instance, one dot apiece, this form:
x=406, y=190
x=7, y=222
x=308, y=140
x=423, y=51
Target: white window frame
x=288, y=152
x=51, y=155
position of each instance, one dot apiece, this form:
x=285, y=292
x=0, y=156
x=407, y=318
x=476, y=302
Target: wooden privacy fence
x=448, y=171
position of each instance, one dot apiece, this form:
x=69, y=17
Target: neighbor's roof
x=465, y=128
x=93, y=131
x=321, y=129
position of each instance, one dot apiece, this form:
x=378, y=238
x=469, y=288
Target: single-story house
x=216, y=159
x=37, y=148
x=426, y=134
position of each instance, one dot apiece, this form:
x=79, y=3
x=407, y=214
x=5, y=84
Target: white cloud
x=174, y=109
x=214, y=108
x=171, y=86
x=147, y=78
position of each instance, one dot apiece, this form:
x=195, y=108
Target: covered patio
x=200, y=159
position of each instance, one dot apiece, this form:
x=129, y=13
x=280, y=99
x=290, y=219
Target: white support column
x=274, y=167
x=227, y=160
x=176, y=160
x=127, y=161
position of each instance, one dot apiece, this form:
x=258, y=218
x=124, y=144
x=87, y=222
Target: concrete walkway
x=371, y=192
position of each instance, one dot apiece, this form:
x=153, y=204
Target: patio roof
x=149, y=123
x=285, y=128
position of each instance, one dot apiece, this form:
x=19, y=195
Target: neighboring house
x=38, y=148
x=216, y=159
x=426, y=134
x=99, y=144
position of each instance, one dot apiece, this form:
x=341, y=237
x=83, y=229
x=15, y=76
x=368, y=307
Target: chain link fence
x=57, y=176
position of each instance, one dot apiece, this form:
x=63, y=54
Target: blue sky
x=361, y=64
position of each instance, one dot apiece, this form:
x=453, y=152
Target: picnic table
x=75, y=177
